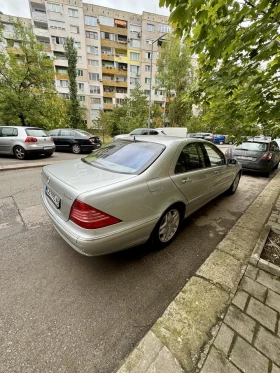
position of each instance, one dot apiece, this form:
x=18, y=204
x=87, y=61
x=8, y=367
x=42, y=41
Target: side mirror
x=231, y=161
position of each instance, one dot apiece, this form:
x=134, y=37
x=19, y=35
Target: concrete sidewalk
x=227, y=318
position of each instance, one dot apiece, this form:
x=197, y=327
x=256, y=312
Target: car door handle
x=216, y=172
x=187, y=180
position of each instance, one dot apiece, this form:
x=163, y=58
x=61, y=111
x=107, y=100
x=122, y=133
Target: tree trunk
x=22, y=120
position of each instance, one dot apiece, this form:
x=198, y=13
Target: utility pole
x=151, y=75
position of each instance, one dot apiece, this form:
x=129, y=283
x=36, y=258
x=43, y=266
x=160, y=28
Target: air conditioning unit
x=137, y=74
x=98, y=21
x=139, y=35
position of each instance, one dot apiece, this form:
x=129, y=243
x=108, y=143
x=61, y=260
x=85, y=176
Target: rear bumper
x=261, y=166
x=90, y=147
x=40, y=150
x=119, y=239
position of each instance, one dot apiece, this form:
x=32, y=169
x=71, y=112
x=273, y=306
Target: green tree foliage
x=103, y=123
x=237, y=43
x=176, y=74
x=27, y=92
x=75, y=111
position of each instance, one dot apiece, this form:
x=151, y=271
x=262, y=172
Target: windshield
x=253, y=146
x=125, y=156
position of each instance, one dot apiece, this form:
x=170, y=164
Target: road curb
x=20, y=166
x=191, y=321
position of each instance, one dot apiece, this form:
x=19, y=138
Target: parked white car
x=24, y=141
x=142, y=131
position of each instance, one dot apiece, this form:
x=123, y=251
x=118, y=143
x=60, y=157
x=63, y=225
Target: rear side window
x=8, y=131
x=36, y=132
x=125, y=156
x=65, y=133
x=190, y=159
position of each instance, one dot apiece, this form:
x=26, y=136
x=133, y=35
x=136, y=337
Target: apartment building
x=114, y=50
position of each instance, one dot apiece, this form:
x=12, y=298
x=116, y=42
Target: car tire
x=48, y=154
x=267, y=173
x=230, y=143
x=76, y=149
x=276, y=166
x=232, y=189
x=167, y=227
x=20, y=153
x=221, y=143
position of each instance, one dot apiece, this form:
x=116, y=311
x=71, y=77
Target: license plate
x=53, y=197
x=47, y=147
x=246, y=158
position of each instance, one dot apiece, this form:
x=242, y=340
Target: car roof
x=164, y=140
x=24, y=127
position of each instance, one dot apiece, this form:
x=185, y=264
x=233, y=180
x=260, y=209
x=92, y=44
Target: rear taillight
x=51, y=138
x=30, y=139
x=91, y=140
x=90, y=218
x=228, y=153
x=267, y=156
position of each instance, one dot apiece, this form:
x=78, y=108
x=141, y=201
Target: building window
x=66, y=96
x=163, y=28
x=73, y=13
x=147, y=80
x=81, y=98
x=147, y=92
x=148, y=55
x=134, y=81
x=135, y=43
x=94, y=112
x=147, y=67
x=134, y=56
x=92, y=50
x=135, y=28
x=58, y=40
x=54, y=7
x=61, y=70
x=57, y=24
x=79, y=59
x=62, y=83
x=81, y=86
x=74, y=29
x=90, y=21
x=91, y=35
x=93, y=62
x=159, y=92
x=150, y=27
x=107, y=21
x=93, y=76
x=107, y=35
x=77, y=44
x=94, y=89
x=80, y=72
x=134, y=69
x=95, y=100
x=119, y=101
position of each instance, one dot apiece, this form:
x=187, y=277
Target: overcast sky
x=20, y=7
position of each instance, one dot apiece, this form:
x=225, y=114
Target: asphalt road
x=62, y=312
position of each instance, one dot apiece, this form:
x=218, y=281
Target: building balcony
x=113, y=71
x=120, y=84
x=114, y=83
x=42, y=32
x=109, y=94
x=62, y=76
x=108, y=57
x=114, y=30
x=108, y=106
x=39, y=16
x=47, y=48
x=113, y=44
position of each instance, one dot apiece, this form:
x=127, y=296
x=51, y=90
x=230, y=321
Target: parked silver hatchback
x=24, y=141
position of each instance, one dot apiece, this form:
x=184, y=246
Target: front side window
x=214, y=155
x=190, y=159
x=65, y=133
x=125, y=157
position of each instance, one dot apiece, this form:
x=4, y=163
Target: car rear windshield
x=36, y=132
x=125, y=157
x=253, y=146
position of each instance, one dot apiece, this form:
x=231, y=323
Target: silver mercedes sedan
x=134, y=190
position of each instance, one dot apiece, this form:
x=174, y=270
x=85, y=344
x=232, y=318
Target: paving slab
x=217, y=363
x=254, y=288
x=269, y=344
x=240, y=299
x=224, y=339
x=266, y=279
x=241, y=323
x=262, y=313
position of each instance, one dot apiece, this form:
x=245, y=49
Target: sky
x=20, y=8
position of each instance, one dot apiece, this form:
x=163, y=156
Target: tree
x=176, y=74
x=75, y=112
x=238, y=42
x=104, y=123
x=27, y=92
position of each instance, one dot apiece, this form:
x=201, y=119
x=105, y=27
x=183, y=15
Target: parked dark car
x=262, y=155
x=75, y=140
x=219, y=139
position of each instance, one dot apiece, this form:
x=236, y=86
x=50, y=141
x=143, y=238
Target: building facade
x=114, y=50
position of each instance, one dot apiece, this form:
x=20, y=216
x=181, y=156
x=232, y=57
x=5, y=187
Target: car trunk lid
x=64, y=182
